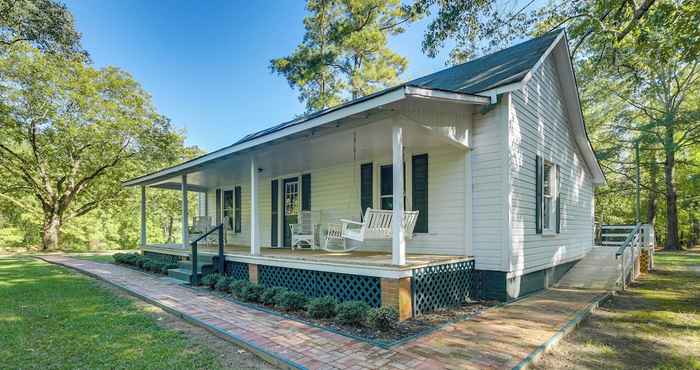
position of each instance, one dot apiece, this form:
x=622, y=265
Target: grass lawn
x=104, y=257
x=653, y=325
x=53, y=318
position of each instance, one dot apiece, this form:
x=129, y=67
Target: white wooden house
x=493, y=154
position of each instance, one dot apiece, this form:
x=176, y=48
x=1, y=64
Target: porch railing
x=193, y=244
x=629, y=251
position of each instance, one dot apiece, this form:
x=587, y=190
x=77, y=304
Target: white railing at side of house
x=627, y=254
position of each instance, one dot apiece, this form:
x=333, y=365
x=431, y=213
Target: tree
x=479, y=26
x=344, y=53
x=45, y=24
x=71, y=133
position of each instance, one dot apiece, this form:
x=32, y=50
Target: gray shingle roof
x=490, y=71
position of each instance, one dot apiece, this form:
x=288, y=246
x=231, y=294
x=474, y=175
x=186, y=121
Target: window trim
x=549, y=213
x=233, y=208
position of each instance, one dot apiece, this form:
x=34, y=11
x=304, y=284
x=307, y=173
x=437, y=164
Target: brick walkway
x=499, y=338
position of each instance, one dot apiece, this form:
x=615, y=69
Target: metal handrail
x=628, y=240
x=221, y=262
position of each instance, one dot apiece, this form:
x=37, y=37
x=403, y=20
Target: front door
x=291, y=206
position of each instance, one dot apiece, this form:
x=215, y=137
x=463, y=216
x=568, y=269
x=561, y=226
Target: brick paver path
x=499, y=338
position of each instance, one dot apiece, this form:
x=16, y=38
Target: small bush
x=157, y=266
x=141, y=261
x=383, y=318
x=146, y=264
x=237, y=287
x=210, y=280
x=291, y=301
x=119, y=257
x=223, y=283
x=252, y=292
x=322, y=308
x=269, y=295
x=352, y=312
x=132, y=259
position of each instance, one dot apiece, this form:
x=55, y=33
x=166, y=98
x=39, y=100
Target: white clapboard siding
x=538, y=125
x=488, y=160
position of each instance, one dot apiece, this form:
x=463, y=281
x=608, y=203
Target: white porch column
x=254, y=224
x=398, y=239
x=185, y=214
x=143, y=215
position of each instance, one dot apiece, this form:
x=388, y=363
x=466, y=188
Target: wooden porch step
x=182, y=274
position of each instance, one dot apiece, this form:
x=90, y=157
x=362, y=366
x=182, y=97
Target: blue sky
x=205, y=63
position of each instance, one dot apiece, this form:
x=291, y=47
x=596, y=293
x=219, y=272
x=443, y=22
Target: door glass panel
x=228, y=208
x=291, y=198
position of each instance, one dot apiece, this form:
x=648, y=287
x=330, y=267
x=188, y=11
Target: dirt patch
x=230, y=355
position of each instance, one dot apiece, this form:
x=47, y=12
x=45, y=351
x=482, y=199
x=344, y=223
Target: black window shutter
x=365, y=187
x=306, y=192
x=538, y=194
x=218, y=206
x=558, y=219
x=419, y=177
x=237, y=209
x=273, y=213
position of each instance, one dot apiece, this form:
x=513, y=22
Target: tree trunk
x=169, y=229
x=51, y=231
x=653, y=191
x=672, y=242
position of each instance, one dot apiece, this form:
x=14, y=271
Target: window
x=232, y=209
x=386, y=187
x=228, y=209
x=547, y=193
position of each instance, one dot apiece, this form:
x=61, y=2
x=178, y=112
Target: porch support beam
x=254, y=224
x=185, y=213
x=143, y=216
x=398, y=239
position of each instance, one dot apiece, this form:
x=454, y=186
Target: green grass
x=52, y=318
x=655, y=324
x=103, y=258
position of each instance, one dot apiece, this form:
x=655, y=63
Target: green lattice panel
x=346, y=287
x=162, y=257
x=298, y=280
x=237, y=270
x=443, y=286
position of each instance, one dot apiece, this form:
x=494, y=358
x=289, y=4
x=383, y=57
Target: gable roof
x=473, y=81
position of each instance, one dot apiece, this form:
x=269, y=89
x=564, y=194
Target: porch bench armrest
x=351, y=222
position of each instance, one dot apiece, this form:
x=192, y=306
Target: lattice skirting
x=162, y=257
x=443, y=286
x=344, y=287
x=237, y=270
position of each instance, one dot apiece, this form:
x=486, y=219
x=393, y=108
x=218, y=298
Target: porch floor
x=356, y=257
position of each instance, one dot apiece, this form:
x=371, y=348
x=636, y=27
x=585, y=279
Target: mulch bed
x=403, y=331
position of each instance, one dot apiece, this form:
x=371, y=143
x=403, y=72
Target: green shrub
x=119, y=257
x=132, y=259
x=383, y=318
x=237, y=287
x=141, y=261
x=146, y=264
x=352, y=312
x=269, y=295
x=223, y=283
x=252, y=292
x=322, y=308
x=210, y=280
x=291, y=301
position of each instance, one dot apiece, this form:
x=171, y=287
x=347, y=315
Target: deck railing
x=193, y=244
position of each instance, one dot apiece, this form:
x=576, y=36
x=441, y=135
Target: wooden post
x=254, y=235
x=143, y=216
x=398, y=239
x=185, y=214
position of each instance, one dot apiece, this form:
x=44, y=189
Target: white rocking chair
x=303, y=233
x=377, y=225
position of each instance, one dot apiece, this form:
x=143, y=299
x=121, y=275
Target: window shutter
x=306, y=192
x=419, y=177
x=538, y=193
x=558, y=217
x=274, y=213
x=365, y=187
x=237, y=209
x=218, y=206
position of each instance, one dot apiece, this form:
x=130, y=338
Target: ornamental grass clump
x=383, y=318
x=352, y=313
x=291, y=301
x=322, y=308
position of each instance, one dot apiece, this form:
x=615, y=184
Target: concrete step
x=181, y=274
